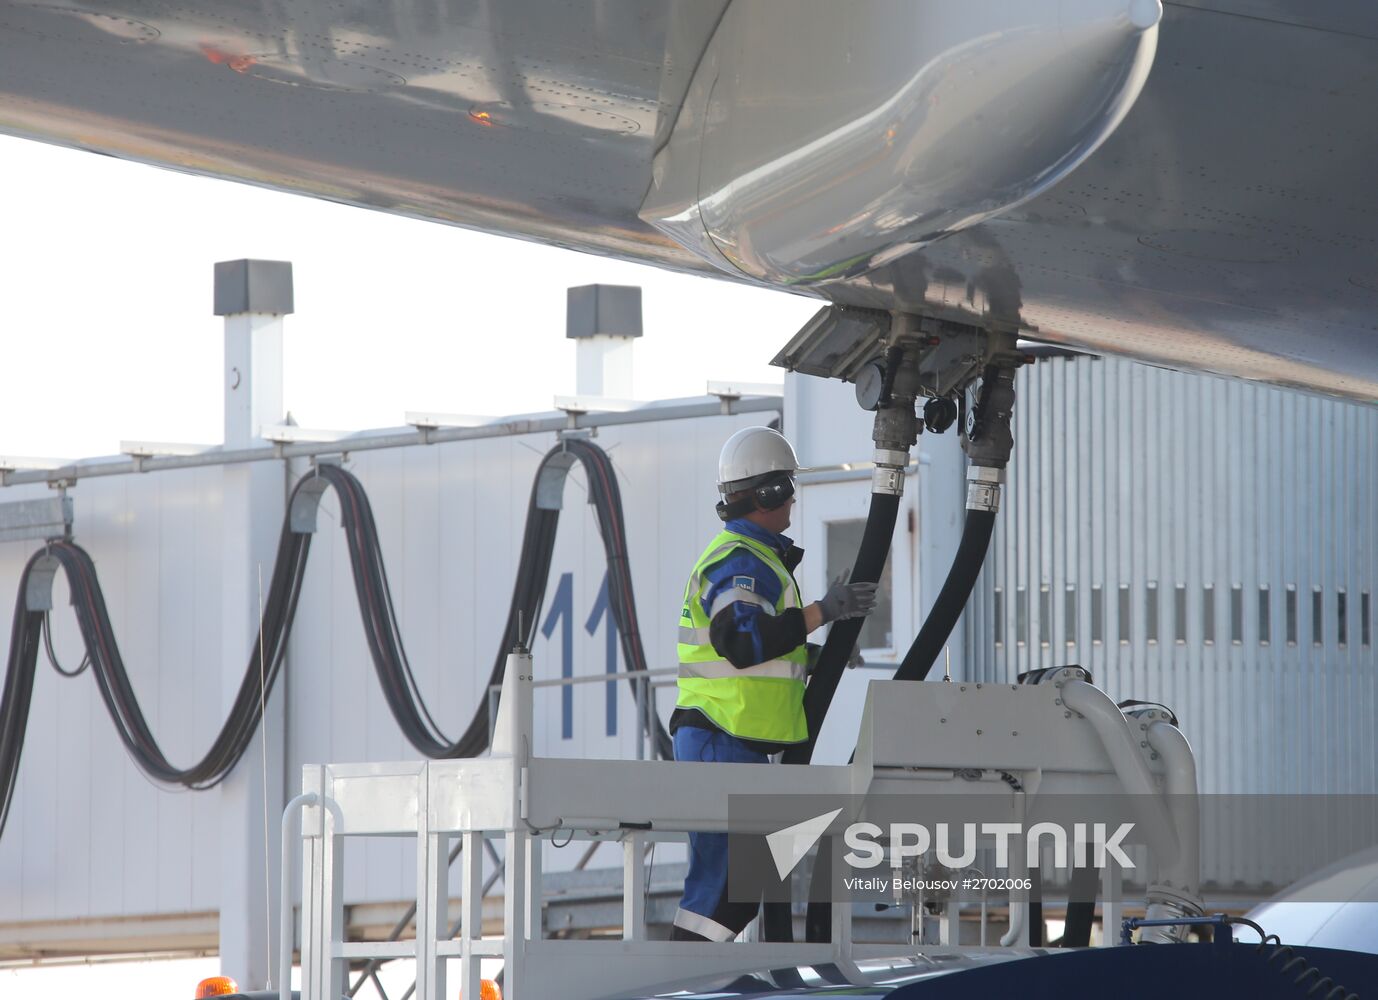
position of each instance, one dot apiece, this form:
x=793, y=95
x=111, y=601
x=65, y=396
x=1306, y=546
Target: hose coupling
x=888, y=476
x=896, y=426
x=983, y=487
x=1165, y=903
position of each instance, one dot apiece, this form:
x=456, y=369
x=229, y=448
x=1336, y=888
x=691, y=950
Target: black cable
x=394, y=627
x=52, y=655
x=377, y=611
x=1246, y=922
x=117, y=691
x=1292, y=962
x=607, y=500
x=17, y=693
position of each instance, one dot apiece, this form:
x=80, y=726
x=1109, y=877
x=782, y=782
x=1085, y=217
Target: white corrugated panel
x=88, y=835
x=1208, y=502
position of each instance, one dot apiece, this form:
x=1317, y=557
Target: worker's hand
x=847, y=600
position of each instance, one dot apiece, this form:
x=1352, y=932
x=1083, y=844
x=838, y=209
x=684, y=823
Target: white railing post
x=534, y=873
x=333, y=963
x=312, y=881
x=471, y=902
x=640, y=688
x=841, y=909
x=512, y=738
x=950, y=931
x=633, y=888
x=432, y=895
x=514, y=910
x=285, y=896
x=322, y=905
x=1112, y=906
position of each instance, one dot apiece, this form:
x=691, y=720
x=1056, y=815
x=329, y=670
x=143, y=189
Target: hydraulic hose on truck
x=376, y=609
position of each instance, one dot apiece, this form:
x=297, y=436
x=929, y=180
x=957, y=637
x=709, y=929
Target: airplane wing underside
x=1229, y=224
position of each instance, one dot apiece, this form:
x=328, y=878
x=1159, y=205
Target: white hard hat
x=753, y=452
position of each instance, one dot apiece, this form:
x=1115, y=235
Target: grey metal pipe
x=1108, y=721
x=374, y=441
x=1018, y=869
x=1184, y=876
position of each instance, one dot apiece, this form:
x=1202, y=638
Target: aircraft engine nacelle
x=820, y=139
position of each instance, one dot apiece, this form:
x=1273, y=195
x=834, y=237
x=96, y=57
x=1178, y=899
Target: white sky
x=105, y=299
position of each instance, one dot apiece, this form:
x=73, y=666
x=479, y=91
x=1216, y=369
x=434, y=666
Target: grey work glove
x=847, y=600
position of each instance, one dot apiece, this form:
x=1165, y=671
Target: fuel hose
x=776, y=917
x=989, y=445
x=952, y=598
x=843, y=635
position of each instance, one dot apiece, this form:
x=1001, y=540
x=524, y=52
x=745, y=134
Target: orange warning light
x=488, y=990
x=219, y=57
x=216, y=986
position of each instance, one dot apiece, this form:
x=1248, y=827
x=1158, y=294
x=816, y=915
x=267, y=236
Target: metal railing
x=644, y=683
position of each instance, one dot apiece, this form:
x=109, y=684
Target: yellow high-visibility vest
x=761, y=702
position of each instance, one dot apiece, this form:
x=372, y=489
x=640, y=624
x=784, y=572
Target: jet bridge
x=1053, y=734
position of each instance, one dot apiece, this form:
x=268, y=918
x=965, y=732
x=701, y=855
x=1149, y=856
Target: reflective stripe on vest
x=721, y=668
x=760, y=702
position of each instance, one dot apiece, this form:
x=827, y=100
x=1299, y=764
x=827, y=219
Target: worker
x=743, y=658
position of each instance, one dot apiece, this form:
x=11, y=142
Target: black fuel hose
x=843, y=635
x=957, y=588
x=918, y=661
x=777, y=920
x=1081, y=908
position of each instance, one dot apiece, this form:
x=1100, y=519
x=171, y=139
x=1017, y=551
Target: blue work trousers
x=705, y=911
